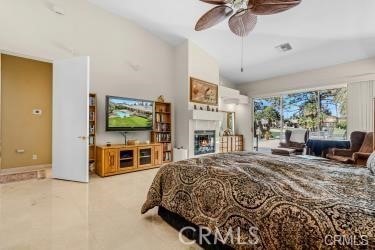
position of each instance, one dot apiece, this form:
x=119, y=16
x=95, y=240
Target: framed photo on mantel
x=203, y=92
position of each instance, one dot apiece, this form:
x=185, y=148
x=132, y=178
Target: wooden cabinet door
x=230, y=144
x=110, y=161
x=127, y=159
x=240, y=143
x=158, y=155
x=224, y=144
x=145, y=156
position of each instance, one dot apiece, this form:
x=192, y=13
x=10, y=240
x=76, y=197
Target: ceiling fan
x=244, y=19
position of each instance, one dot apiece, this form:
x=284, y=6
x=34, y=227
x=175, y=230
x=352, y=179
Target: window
x=322, y=112
x=333, y=119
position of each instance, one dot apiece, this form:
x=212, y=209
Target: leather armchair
x=342, y=152
x=298, y=146
x=360, y=151
x=361, y=158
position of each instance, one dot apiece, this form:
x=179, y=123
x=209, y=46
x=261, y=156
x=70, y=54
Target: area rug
x=14, y=177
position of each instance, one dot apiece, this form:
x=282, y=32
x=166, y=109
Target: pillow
x=371, y=163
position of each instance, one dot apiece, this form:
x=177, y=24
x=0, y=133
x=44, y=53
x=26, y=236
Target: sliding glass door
x=333, y=119
x=267, y=122
x=301, y=110
x=322, y=112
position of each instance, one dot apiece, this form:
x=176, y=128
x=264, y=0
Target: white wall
x=181, y=93
x=243, y=124
x=339, y=74
x=116, y=47
x=202, y=65
x=227, y=83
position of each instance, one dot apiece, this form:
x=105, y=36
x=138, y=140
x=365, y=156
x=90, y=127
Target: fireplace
x=204, y=142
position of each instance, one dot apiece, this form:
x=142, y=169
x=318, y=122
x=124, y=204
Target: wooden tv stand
x=121, y=159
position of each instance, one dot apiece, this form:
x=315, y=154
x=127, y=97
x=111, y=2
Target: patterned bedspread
x=292, y=203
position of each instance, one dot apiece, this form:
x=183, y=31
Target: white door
x=70, y=119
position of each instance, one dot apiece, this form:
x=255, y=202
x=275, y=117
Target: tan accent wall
x=0, y=116
x=25, y=85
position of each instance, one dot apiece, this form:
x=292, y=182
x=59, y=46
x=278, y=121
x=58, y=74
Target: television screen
x=128, y=114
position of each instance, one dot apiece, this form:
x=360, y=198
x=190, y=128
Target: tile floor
x=105, y=214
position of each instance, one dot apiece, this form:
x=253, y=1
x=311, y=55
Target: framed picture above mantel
x=203, y=92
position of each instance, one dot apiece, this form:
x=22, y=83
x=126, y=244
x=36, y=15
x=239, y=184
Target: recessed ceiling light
x=284, y=47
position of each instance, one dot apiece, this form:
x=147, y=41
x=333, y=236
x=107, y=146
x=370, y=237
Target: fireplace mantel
x=206, y=115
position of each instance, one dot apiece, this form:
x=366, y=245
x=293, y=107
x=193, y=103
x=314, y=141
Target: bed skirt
x=178, y=222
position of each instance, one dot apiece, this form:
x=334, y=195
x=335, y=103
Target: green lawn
x=134, y=121
x=275, y=133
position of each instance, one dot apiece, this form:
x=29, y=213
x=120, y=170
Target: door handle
x=82, y=137
x=111, y=160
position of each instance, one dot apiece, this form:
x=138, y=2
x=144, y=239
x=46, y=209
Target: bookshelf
x=92, y=128
x=162, y=132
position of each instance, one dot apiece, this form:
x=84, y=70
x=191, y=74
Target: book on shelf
x=167, y=156
x=162, y=127
x=92, y=101
x=162, y=118
x=92, y=116
x=163, y=137
x=167, y=146
x=91, y=140
x=158, y=118
x=92, y=129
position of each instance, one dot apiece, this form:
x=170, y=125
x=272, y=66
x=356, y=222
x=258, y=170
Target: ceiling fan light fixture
x=239, y=4
x=245, y=11
x=285, y=47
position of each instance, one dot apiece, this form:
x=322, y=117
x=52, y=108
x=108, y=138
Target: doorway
x=26, y=112
x=44, y=111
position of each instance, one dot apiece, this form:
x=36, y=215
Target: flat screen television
x=128, y=114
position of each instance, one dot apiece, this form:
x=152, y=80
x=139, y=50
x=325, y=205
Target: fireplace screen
x=204, y=142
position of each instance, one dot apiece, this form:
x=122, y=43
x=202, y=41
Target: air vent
x=284, y=47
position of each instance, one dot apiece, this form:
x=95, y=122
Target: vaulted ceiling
x=321, y=32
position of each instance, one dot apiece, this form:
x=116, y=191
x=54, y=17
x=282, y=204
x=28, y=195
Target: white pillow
x=371, y=163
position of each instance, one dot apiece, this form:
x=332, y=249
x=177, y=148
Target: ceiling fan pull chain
x=242, y=54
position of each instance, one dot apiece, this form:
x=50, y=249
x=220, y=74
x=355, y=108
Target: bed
x=291, y=202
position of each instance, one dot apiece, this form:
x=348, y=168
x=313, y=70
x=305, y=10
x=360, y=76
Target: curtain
x=360, y=106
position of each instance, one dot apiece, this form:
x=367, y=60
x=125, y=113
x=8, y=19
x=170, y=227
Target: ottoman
x=283, y=151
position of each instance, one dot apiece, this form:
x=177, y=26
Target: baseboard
x=24, y=169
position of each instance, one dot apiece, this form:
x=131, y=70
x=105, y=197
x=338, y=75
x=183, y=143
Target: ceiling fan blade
x=216, y=2
x=269, y=7
x=213, y=17
x=243, y=22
